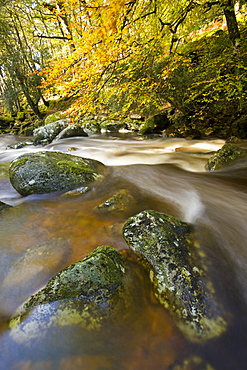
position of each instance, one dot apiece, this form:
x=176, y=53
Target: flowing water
x=167, y=175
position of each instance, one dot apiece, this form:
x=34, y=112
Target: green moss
x=74, y=167
x=224, y=156
x=17, y=163
x=93, y=279
x=176, y=270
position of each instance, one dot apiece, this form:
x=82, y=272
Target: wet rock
x=111, y=125
x=225, y=156
x=192, y=363
x=173, y=259
x=96, y=329
x=91, y=124
x=72, y=130
x=48, y=171
x=4, y=206
x=118, y=202
x=22, y=144
x=45, y=134
x=155, y=124
x=94, y=279
x=77, y=192
x=79, y=294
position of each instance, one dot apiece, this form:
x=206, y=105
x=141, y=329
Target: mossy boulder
x=172, y=256
x=225, y=156
x=54, y=117
x=90, y=124
x=72, y=130
x=80, y=294
x=155, y=124
x=6, y=122
x=94, y=279
x=48, y=171
x=112, y=125
x=45, y=134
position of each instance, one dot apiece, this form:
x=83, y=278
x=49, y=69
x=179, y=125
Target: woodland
x=119, y=57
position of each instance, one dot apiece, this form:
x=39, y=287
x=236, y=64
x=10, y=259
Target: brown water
x=167, y=175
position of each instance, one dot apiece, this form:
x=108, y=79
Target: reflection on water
x=167, y=175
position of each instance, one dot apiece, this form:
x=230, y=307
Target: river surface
x=166, y=175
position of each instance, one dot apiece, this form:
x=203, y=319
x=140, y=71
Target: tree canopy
x=123, y=56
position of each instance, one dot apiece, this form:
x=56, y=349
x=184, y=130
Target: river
x=167, y=175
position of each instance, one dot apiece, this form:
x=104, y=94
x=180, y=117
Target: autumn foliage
x=124, y=56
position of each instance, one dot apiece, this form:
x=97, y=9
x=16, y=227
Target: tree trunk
x=33, y=105
x=231, y=21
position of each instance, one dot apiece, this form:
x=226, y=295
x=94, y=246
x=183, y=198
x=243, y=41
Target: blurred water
x=167, y=175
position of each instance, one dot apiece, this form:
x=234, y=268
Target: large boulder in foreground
x=94, y=279
x=86, y=315
x=80, y=294
x=225, y=156
x=48, y=171
x=171, y=254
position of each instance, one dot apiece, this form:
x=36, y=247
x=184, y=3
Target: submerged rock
x=118, y=202
x=48, y=171
x=45, y=134
x=192, y=363
x=4, y=206
x=67, y=321
x=79, y=294
x=31, y=270
x=225, y=156
x=175, y=268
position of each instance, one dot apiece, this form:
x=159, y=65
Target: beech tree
x=116, y=54
x=116, y=48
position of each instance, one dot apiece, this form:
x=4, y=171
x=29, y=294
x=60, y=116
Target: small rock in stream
x=118, y=202
x=172, y=257
x=4, y=206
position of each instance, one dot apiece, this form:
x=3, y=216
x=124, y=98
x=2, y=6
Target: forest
x=186, y=59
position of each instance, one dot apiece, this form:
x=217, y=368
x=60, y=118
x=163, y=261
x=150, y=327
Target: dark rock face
x=48, y=171
x=225, y=156
x=172, y=256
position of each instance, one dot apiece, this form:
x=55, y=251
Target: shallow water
x=167, y=175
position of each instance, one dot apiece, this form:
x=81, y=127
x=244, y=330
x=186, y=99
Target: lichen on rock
x=171, y=253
